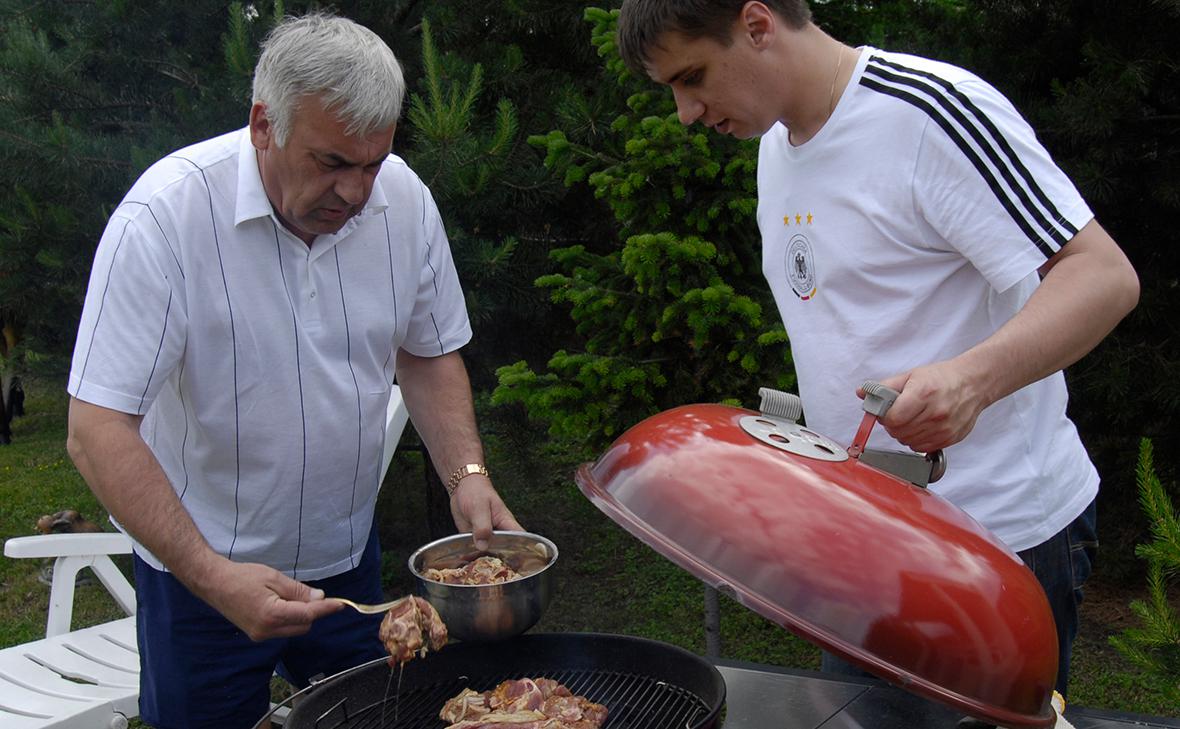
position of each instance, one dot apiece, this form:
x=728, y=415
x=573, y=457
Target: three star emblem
x=799, y=218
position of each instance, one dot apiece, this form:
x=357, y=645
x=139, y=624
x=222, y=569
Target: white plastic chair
x=83, y=678
x=89, y=678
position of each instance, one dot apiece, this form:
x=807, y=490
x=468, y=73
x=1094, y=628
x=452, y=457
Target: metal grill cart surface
x=765, y=697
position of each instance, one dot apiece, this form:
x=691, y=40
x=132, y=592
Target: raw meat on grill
x=468, y=704
x=485, y=570
x=523, y=720
x=537, y=703
x=411, y=627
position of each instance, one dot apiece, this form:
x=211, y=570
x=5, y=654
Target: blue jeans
x=1062, y=564
x=197, y=669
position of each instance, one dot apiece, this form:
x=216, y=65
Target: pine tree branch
x=405, y=11
x=173, y=71
x=107, y=162
x=94, y=108
x=103, y=161
x=524, y=188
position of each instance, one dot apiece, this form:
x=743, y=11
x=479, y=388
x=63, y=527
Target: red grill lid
x=880, y=572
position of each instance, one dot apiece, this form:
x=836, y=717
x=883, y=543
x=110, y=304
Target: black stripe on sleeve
x=437, y=334
x=393, y=295
x=429, y=249
x=1045, y=247
x=159, y=348
x=101, y=305
x=392, y=280
x=1002, y=142
x=433, y=271
x=171, y=248
x=184, y=440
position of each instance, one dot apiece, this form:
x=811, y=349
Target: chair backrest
x=73, y=552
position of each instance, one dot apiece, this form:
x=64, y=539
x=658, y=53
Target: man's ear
x=757, y=23
x=261, y=130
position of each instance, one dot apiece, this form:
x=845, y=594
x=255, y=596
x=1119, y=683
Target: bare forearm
x=122, y=472
x=1081, y=299
x=127, y=479
x=1087, y=288
x=438, y=396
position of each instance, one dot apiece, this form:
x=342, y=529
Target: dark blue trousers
x=197, y=669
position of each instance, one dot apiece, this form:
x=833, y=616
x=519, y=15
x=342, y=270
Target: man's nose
x=688, y=109
x=350, y=186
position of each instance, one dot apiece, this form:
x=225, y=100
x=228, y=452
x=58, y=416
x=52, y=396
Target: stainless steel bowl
x=489, y=612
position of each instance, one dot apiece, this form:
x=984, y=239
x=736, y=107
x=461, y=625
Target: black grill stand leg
x=712, y=623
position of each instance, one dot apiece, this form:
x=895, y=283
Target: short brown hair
x=643, y=22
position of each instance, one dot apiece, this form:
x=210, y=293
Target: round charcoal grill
x=644, y=684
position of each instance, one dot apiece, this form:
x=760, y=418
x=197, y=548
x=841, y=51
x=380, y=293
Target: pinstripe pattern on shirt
x=273, y=452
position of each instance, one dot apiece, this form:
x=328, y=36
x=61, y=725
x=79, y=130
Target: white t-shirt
x=264, y=366
x=909, y=229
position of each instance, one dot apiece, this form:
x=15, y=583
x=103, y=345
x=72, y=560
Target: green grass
x=607, y=581
x=36, y=478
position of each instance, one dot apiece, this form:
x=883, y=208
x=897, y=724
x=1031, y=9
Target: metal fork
x=367, y=609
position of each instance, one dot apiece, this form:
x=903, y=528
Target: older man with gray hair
x=252, y=299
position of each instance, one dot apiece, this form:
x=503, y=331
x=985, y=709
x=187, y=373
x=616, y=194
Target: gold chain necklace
x=835, y=77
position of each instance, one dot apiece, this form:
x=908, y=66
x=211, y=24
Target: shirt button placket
x=310, y=282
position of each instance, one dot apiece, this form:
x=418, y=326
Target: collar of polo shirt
x=252, y=202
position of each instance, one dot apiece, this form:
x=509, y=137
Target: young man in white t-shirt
x=252, y=299
x=915, y=233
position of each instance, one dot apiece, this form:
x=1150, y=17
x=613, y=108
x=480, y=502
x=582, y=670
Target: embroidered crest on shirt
x=800, y=265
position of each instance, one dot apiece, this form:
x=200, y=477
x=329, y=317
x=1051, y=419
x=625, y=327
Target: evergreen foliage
x=670, y=309
x=92, y=94
x=96, y=92
x=490, y=187
x=1154, y=646
x=640, y=231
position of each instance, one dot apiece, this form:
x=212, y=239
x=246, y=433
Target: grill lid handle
x=919, y=469
x=878, y=398
x=779, y=404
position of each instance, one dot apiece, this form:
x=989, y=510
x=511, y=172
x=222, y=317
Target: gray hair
x=347, y=66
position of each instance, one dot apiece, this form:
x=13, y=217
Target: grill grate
x=633, y=702
x=644, y=684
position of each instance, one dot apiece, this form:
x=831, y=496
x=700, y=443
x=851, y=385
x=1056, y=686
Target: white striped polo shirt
x=264, y=366
x=909, y=229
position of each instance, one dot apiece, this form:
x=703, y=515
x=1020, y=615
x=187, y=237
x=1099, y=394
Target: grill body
x=644, y=684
